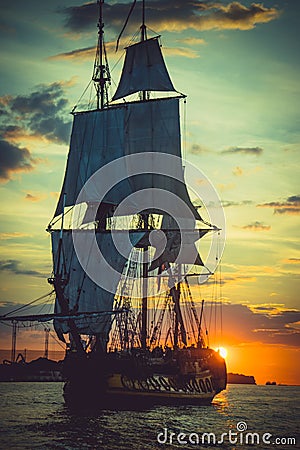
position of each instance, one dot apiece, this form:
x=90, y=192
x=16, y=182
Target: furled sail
x=144, y=70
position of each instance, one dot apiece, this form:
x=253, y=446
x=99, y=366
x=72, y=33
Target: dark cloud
x=267, y=324
x=46, y=100
x=39, y=114
x=294, y=199
x=246, y=150
x=172, y=15
x=14, y=159
x=13, y=265
x=290, y=206
x=256, y=226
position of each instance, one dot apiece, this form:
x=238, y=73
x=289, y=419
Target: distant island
x=238, y=378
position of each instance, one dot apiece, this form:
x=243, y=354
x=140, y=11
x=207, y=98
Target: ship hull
x=114, y=382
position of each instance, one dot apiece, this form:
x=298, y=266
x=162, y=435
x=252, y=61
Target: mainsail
x=102, y=136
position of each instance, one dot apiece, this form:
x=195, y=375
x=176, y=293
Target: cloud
x=14, y=159
x=34, y=197
x=88, y=53
x=238, y=171
x=197, y=149
x=236, y=279
x=228, y=203
x=193, y=41
x=232, y=279
x=82, y=54
x=268, y=324
x=222, y=187
x=34, y=117
x=12, y=235
x=244, y=150
x=172, y=15
x=13, y=266
x=37, y=115
x=290, y=206
x=292, y=261
x=179, y=51
x=257, y=226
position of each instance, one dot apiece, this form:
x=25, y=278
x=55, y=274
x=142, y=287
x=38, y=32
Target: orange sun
x=223, y=352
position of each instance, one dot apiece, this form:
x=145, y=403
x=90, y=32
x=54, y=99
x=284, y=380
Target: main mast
x=145, y=218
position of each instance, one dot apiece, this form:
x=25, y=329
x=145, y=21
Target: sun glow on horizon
x=222, y=351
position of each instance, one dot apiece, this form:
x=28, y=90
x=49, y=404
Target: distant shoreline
x=54, y=355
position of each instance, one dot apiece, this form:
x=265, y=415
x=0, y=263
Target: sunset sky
x=238, y=63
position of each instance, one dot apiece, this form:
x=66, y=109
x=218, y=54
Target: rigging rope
x=28, y=304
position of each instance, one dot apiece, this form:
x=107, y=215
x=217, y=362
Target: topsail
x=144, y=70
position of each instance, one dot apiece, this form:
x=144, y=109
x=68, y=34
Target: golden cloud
x=35, y=197
x=257, y=226
x=12, y=235
x=238, y=171
x=291, y=206
x=179, y=51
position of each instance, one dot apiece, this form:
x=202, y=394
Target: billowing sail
x=100, y=137
x=97, y=138
x=144, y=70
x=83, y=294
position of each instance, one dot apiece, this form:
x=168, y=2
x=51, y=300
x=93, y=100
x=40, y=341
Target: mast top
x=143, y=26
x=101, y=71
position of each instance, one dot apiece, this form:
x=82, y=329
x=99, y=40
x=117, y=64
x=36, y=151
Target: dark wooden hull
x=116, y=381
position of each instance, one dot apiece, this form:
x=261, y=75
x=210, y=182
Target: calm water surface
x=33, y=416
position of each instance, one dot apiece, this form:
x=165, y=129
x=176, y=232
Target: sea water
x=34, y=416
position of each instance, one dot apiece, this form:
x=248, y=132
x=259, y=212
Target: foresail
x=144, y=70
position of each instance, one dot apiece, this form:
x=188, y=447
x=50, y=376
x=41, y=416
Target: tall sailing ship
x=124, y=305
